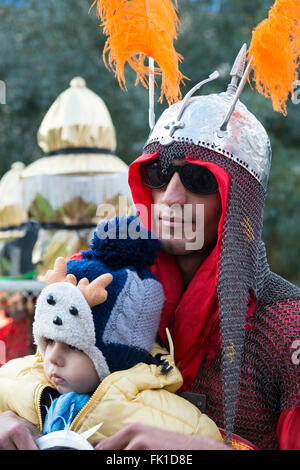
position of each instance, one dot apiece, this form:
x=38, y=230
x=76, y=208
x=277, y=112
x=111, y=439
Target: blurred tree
x=45, y=44
x=281, y=222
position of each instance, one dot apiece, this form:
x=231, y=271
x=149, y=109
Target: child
x=94, y=340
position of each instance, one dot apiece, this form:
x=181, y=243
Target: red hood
x=191, y=315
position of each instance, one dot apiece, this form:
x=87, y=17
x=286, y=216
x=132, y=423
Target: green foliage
x=44, y=44
x=281, y=222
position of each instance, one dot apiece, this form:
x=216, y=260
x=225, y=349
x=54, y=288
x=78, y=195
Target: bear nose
x=57, y=321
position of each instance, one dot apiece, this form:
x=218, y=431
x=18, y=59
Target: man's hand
x=16, y=433
x=141, y=437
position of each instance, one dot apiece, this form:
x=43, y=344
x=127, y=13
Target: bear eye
x=51, y=300
x=73, y=310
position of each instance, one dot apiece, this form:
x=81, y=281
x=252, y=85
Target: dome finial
x=78, y=82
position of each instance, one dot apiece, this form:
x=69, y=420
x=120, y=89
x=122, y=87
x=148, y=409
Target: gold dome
x=11, y=197
x=78, y=119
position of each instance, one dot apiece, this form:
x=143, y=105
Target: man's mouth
x=174, y=221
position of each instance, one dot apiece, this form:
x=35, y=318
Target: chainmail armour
x=253, y=379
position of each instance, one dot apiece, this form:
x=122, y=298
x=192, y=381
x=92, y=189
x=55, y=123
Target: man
x=234, y=323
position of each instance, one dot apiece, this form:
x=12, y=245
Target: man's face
x=185, y=221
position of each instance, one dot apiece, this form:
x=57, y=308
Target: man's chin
x=175, y=247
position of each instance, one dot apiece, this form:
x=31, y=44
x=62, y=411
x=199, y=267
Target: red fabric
x=5, y=322
x=141, y=194
x=75, y=256
x=288, y=429
x=192, y=315
x=16, y=337
x=239, y=440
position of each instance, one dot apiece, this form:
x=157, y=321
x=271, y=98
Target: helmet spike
x=177, y=123
x=238, y=93
x=237, y=70
x=213, y=76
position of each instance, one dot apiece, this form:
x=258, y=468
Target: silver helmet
x=220, y=122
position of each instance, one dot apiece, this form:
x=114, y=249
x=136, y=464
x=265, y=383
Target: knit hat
x=113, y=313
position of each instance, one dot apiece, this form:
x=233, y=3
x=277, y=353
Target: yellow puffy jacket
x=140, y=394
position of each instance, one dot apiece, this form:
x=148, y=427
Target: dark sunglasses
x=196, y=178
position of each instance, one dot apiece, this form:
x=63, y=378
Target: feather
x=275, y=51
x=137, y=29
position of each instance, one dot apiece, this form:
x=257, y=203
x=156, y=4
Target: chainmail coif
x=253, y=378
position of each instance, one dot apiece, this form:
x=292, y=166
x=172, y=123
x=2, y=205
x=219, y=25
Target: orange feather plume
x=137, y=29
x=275, y=52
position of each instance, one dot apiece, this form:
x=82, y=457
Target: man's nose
x=175, y=192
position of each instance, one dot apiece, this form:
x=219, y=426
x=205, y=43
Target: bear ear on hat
x=95, y=292
x=124, y=242
x=59, y=273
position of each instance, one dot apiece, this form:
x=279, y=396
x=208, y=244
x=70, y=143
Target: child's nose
x=57, y=356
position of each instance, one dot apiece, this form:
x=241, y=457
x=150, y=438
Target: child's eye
x=49, y=341
x=73, y=348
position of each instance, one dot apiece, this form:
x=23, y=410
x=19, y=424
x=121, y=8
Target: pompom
x=124, y=242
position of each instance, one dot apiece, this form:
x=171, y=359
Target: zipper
x=85, y=408
x=39, y=394
x=98, y=392
x=81, y=412
x=39, y=405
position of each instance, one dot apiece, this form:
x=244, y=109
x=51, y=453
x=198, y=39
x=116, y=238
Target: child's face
x=69, y=369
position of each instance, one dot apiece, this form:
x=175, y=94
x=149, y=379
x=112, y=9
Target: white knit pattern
x=135, y=316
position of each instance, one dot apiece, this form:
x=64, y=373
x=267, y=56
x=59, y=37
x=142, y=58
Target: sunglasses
x=196, y=178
